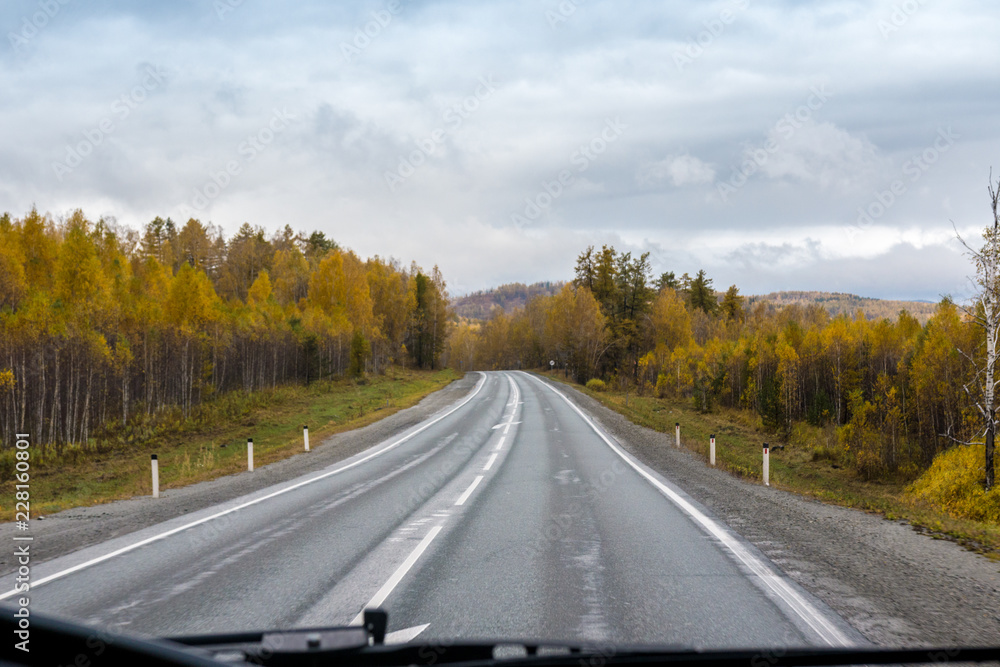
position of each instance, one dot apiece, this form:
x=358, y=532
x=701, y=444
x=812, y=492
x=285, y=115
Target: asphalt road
x=510, y=514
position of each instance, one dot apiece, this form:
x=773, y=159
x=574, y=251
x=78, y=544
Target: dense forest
x=101, y=325
x=894, y=388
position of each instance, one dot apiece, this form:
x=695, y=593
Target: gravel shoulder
x=80, y=527
x=896, y=586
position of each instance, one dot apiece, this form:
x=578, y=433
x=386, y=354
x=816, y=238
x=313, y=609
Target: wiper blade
x=357, y=646
x=56, y=641
x=293, y=651
x=764, y=657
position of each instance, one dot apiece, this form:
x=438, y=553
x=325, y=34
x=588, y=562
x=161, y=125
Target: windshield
x=614, y=323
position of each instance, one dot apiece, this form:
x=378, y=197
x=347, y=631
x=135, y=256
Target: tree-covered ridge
x=892, y=387
x=484, y=304
x=101, y=324
x=837, y=303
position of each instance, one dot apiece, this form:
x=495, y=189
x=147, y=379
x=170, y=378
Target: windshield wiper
x=363, y=646
x=61, y=642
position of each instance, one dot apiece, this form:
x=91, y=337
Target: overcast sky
x=778, y=145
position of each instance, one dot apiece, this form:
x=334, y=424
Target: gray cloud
x=688, y=130
x=903, y=272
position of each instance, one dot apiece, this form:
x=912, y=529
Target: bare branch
x=979, y=407
x=957, y=441
x=972, y=252
x=949, y=436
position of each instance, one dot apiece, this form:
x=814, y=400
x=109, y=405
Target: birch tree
x=985, y=313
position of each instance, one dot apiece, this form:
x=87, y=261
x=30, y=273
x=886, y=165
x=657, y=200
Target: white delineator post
x=305, y=436
x=250, y=454
x=711, y=451
x=156, y=475
x=767, y=465
x=677, y=433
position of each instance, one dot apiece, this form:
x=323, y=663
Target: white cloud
x=822, y=154
x=679, y=170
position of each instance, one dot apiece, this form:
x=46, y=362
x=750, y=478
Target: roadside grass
x=811, y=463
x=214, y=443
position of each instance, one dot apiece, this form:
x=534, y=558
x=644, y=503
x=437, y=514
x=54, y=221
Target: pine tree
x=732, y=304
x=701, y=295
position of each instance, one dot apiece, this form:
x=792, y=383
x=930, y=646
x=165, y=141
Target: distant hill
x=508, y=298
x=837, y=303
x=484, y=304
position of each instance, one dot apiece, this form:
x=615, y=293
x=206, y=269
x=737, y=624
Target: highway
x=510, y=514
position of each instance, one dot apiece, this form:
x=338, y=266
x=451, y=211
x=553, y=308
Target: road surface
x=510, y=514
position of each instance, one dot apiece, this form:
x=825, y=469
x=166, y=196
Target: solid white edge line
x=468, y=492
x=174, y=531
x=489, y=462
x=398, y=575
x=812, y=617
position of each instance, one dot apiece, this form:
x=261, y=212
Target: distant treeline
x=101, y=325
x=837, y=303
x=892, y=386
x=485, y=304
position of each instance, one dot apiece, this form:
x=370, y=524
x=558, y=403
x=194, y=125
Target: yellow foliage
x=190, y=300
x=13, y=286
x=954, y=483
x=80, y=280
x=260, y=291
x=671, y=320
x=339, y=288
x=291, y=276
x=662, y=386
x=649, y=367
